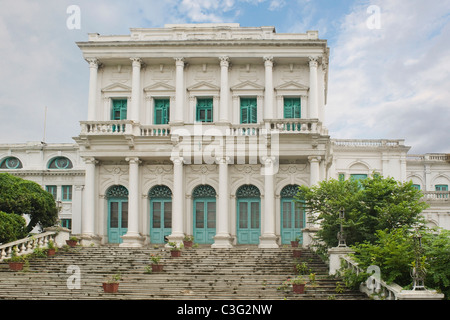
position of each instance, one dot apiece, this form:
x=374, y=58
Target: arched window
x=60, y=163
x=11, y=163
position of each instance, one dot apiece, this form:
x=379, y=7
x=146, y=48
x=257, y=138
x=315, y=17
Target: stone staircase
x=240, y=273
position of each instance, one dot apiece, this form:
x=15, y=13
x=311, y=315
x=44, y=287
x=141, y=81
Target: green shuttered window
x=204, y=112
x=248, y=110
x=292, y=108
x=119, y=109
x=162, y=111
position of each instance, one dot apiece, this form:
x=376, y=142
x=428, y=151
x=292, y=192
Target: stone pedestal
x=335, y=254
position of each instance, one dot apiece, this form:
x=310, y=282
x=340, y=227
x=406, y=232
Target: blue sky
x=391, y=81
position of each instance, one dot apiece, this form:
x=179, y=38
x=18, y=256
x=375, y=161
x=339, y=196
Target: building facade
x=207, y=130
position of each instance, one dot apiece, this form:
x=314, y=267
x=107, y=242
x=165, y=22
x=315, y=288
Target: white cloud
x=393, y=82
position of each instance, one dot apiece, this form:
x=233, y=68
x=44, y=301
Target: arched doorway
x=292, y=215
x=248, y=215
x=160, y=213
x=117, y=198
x=204, y=197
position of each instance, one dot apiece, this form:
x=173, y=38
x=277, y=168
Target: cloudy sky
x=389, y=71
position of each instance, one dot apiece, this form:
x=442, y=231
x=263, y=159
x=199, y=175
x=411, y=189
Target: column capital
x=223, y=160
x=313, y=61
x=268, y=161
x=268, y=61
x=90, y=160
x=133, y=160
x=136, y=61
x=179, y=61
x=224, y=61
x=177, y=160
x=93, y=62
x=314, y=158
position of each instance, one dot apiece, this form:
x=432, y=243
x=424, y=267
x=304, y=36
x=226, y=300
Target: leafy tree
x=12, y=227
x=372, y=204
x=20, y=196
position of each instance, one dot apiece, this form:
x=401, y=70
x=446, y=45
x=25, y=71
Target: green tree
x=12, y=227
x=20, y=196
x=372, y=204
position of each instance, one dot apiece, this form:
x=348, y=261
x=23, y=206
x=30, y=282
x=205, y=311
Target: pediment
x=117, y=87
x=203, y=86
x=247, y=86
x=159, y=87
x=291, y=85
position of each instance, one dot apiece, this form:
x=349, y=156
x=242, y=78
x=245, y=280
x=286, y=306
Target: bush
x=12, y=227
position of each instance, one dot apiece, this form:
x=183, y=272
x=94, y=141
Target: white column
x=77, y=209
x=88, y=213
x=132, y=238
x=268, y=238
x=314, y=162
x=179, y=91
x=224, y=90
x=177, y=201
x=93, y=73
x=268, y=92
x=135, y=90
x=313, y=96
x=223, y=238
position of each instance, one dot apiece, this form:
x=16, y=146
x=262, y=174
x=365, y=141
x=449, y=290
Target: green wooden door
x=117, y=219
x=248, y=220
x=292, y=220
x=204, y=220
x=160, y=219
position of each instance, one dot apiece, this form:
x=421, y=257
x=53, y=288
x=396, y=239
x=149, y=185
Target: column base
x=268, y=242
x=222, y=242
x=132, y=241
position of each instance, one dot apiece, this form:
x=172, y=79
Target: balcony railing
x=128, y=127
x=367, y=143
x=436, y=195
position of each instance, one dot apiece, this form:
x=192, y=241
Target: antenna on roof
x=45, y=122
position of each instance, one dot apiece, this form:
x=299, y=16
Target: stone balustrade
x=367, y=143
x=26, y=245
x=377, y=289
x=116, y=127
x=436, y=195
x=155, y=131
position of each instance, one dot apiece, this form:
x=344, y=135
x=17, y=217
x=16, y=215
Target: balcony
x=130, y=128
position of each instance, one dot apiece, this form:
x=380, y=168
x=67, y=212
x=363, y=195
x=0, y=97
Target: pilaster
x=268, y=238
x=313, y=92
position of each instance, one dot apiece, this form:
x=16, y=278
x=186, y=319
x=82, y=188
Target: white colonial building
x=207, y=130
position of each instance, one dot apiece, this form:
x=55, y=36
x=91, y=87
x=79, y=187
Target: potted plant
x=298, y=285
x=16, y=262
x=72, y=242
x=188, y=241
x=156, y=267
x=175, y=250
x=297, y=253
x=112, y=284
x=51, y=249
x=294, y=243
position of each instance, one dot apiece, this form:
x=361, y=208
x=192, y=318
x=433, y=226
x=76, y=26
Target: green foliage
x=12, y=227
x=393, y=252
x=19, y=196
x=372, y=204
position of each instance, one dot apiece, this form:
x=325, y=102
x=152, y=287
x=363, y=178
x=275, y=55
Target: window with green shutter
x=52, y=190
x=204, y=112
x=292, y=108
x=248, y=110
x=66, y=193
x=162, y=111
x=119, y=109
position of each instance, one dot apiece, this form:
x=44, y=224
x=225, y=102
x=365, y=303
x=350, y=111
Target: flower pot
x=110, y=287
x=187, y=244
x=294, y=244
x=175, y=253
x=296, y=253
x=71, y=243
x=298, y=288
x=15, y=266
x=157, y=267
x=51, y=252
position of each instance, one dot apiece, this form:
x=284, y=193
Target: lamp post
x=340, y=235
x=418, y=271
